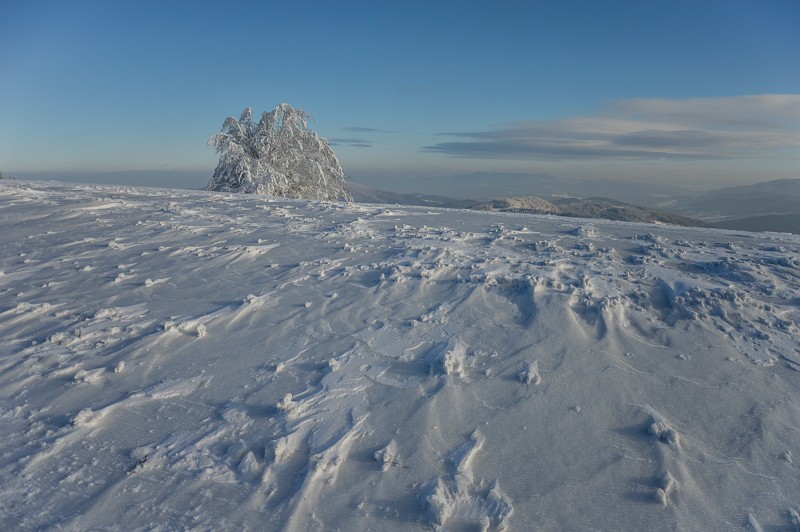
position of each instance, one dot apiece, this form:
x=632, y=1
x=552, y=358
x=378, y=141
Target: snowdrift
x=176, y=359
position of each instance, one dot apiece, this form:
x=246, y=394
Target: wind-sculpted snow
x=187, y=360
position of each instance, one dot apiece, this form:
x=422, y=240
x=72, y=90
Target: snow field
x=182, y=359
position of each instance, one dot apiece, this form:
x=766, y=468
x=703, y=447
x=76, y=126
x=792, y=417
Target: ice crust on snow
x=663, y=431
x=668, y=485
x=530, y=373
x=186, y=360
x=458, y=498
x=388, y=456
x=449, y=359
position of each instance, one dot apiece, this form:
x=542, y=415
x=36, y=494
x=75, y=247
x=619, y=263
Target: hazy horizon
x=393, y=182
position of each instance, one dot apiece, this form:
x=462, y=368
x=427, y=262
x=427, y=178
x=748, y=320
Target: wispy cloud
x=353, y=143
x=356, y=142
x=700, y=128
x=360, y=129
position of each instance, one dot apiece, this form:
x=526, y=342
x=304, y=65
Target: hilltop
x=190, y=360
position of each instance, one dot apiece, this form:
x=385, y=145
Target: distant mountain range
x=604, y=208
x=767, y=206
x=365, y=194
x=485, y=186
x=779, y=223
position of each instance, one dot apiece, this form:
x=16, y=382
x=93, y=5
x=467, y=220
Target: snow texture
x=213, y=361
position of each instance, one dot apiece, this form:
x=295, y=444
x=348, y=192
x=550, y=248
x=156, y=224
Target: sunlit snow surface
x=173, y=359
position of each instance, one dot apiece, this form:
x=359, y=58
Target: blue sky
x=693, y=92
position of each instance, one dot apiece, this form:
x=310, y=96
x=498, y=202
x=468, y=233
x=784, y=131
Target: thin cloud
x=353, y=143
x=360, y=129
x=762, y=111
x=701, y=128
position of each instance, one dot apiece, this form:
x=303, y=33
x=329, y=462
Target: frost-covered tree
x=279, y=156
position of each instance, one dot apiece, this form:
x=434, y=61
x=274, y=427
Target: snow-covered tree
x=279, y=156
